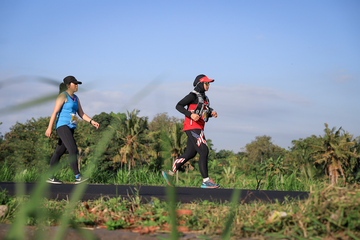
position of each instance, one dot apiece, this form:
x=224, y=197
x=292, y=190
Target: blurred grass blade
x=234, y=202
x=29, y=104
x=75, y=196
x=171, y=199
x=100, y=148
x=170, y=191
x=34, y=102
x=31, y=208
x=17, y=231
x=20, y=79
x=143, y=93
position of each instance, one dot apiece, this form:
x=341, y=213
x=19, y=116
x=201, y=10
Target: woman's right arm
x=187, y=100
x=58, y=104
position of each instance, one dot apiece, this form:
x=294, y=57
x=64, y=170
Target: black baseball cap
x=71, y=79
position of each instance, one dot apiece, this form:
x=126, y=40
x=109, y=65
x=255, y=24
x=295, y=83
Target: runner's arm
x=81, y=112
x=86, y=117
x=187, y=100
x=58, y=104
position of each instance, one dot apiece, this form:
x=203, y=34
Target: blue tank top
x=67, y=114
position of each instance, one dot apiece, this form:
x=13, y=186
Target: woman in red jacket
x=196, y=114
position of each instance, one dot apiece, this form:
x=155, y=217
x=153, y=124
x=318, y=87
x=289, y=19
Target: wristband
x=90, y=121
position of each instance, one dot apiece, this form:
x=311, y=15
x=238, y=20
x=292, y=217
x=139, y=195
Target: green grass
x=144, y=176
x=205, y=218
x=6, y=172
x=332, y=213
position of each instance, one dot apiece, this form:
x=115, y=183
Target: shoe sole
x=209, y=187
x=166, y=179
x=81, y=181
x=55, y=182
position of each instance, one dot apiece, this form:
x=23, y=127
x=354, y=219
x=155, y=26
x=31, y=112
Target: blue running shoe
x=168, y=178
x=209, y=184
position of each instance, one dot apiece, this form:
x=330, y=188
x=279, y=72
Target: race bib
x=74, y=119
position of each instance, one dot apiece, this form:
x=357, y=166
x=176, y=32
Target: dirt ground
x=100, y=234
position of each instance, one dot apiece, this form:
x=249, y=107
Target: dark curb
x=184, y=194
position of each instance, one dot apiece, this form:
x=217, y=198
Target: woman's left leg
x=67, y=136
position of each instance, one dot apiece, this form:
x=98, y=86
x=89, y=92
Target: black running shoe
x=53, y=180
x=80, y=179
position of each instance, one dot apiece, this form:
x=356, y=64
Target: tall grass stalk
x=6, y=172
x=27, y=175
x=144, y=176
x=28, y=209
x=65, y=219
x=138, y=176
x=171, y=199
x=234, y=202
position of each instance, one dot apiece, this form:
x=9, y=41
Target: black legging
x=196, y=143
x=66, y=142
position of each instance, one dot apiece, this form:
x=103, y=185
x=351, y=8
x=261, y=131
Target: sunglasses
x=207, y=83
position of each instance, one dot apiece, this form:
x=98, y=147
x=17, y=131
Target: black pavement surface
x=184, y=194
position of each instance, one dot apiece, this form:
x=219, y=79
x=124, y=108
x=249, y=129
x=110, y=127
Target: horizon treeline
x=135, y=142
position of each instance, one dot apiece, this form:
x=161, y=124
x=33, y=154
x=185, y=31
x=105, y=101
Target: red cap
x=206, y=79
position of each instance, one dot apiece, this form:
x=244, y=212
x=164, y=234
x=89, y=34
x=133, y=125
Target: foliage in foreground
x=332, y=213
x=267, y=178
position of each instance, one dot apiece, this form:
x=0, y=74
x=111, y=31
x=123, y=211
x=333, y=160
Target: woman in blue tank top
x=66, y=106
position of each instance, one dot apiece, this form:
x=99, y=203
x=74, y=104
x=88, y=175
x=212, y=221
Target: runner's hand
x=95, y=124
x=48, y=132
x=214, y=114
x=195, y=117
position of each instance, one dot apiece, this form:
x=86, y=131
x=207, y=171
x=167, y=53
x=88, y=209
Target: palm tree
x=177, y=143
x=131, y=132
x=334, y=153
x=300, y=155
x=177, y=140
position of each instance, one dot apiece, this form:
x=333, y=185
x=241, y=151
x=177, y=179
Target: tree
x=2, y=152
x=156, y=159
x=300, y=156
x=1, y=136
x=109, y=150
x=223, y=154
x=87, y=138
x=262, y=148
x=177, y=143
x=162, y=121
x=21, y=145
x=334, y=152
x=177, y=140
x=131, y=132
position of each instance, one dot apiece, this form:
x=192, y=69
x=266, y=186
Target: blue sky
x=281, y=68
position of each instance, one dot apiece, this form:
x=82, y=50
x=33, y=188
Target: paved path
x=184, y=194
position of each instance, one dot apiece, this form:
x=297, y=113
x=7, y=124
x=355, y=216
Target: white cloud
x=341, y=76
